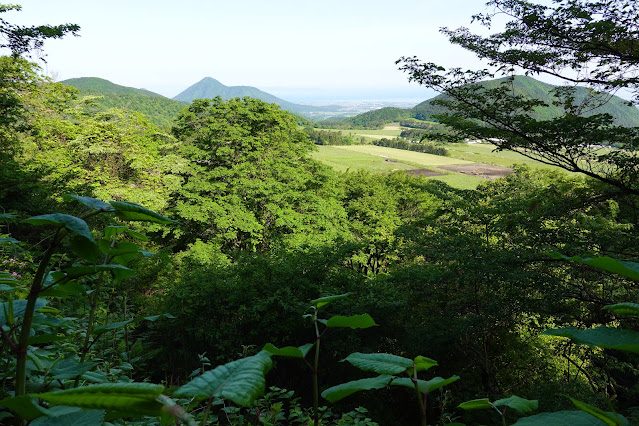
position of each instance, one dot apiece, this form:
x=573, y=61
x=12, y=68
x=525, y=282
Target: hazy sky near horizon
x=328, y=50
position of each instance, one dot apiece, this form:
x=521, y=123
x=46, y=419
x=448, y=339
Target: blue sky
x=328, y=50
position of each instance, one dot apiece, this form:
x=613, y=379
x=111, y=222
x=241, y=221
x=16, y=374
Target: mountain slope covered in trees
x=157, y=108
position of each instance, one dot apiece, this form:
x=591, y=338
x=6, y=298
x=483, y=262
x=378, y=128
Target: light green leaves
x=241, y=381
x=354, y=321
x=518, y=404
x=131, y=399
x=603, y=337
x=625, y=308
x=476, y=404
x=343, y=390
x=610, y=419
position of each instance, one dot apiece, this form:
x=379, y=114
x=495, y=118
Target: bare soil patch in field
x=423, y=172
x=485, y=171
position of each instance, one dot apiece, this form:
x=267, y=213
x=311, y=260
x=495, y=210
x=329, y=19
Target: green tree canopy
x=583, y=42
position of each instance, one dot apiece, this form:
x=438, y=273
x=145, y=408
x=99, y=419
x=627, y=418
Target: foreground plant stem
x=422, y=403
x=318, y=337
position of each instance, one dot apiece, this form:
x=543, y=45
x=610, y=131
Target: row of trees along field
x=230, y=272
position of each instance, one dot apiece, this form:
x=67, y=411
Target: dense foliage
x=228, y=260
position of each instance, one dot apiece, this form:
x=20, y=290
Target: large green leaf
x=476, y=404
x=135, y=212
x=603, y=337
x=25, y=406
x=111, y=326
x=119, y=272
x=379, y=363
x=560, y=418
x=610, y=264
x=288, y=351
x=19, y=307
x=76, y=418
x=241, y=381
x=354, y=321
x=343, y=390
x=69, y=369
x=610, y=419
x=518, y=404
x=625, y=308
x=422, y=363
x=427, y=386
x=93, y=203
x=73, y=224
x=322, y=301
x=128, y=398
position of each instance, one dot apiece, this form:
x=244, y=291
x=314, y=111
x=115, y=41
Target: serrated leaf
x=93, y=203
x=427, y=386
x=77, y=418
x=323, y=301
x=343, y=390
x=610, y=419
x=241, y=381
x=423, y=363
x=73, y=224
x=379, y=363
x=475, y=404
x=621, y=267
x=603, y=337
x=129, y=398
x=560, y=418
x=625, y=308
x=135, y=212
x=354, y=321
x=518, y=404
x=288, y=351
x=25, y=406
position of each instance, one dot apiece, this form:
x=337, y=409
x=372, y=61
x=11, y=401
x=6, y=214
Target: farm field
x=379, y=159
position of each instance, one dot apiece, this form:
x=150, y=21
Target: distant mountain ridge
x=209, y=88
x=624, y=114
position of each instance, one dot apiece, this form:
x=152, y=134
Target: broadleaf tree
x=583, y=43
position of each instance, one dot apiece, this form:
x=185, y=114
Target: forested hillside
x=158, y=109
x=528, y=87
x=210, y=271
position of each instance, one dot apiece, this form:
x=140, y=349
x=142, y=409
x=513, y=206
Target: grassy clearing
x=416, y=159
x=342, y=160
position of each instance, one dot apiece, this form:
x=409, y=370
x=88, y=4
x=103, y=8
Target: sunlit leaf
x=476, y=404
x=423, y=363
x=625, y=308
x=73, y=224
x=343, y=390
x=354, y=321
x=610, y=264
x=610, y=419
x=379, y=363
x=322, y=301
x=288, y=351
x=93, y=203
x=135, y=212
x=427, y=386
x=603, y=337
x=518, y=404
x=130, y=398
x=241, y=381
